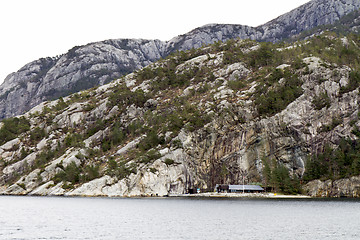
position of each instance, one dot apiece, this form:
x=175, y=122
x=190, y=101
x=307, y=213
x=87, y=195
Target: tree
x=266, y=172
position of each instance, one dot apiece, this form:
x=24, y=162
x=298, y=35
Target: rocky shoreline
x=241, y=195
x=197, y=195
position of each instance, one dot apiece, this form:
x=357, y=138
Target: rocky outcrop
x=137, y=136
x=211, y=33
x=161, y=181
x=81, y=68
x=312, y=14
x=349, y=187
x=306, y=17
x=97, y=63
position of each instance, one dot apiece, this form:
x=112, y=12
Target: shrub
x=354, y=82
x=174, y=122
x=264, y=56
x=176, y=144
x=71, y=174
x=298, y=63
x=321, y=101
x=120, y=170
x=134, y=128
x=116, y=137
x=356, y=131
x=194, y=118
x=236, y=85
x=60, y=105
x=335, y=122
x=44, y=157
x=74, y=140
x=150, y=141
x=270, y=102
x=122, y=96
x=153, y=170
x=97, y=126
x=146, y=73
x=105, y=145
x=342, y=162
x=204, y=88
x=233, y=55
x=37, y=134
x=169, y=161
x=12, y=128
x=150, y=156
x=23, y=153
x=91, y=172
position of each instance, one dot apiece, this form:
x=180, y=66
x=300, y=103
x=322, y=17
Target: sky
x=31, y=29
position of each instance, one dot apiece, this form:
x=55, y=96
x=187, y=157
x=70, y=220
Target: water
x=112, y=218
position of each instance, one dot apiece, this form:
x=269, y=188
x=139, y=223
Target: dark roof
x=246, y=187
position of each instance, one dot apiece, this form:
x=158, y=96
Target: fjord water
x=177, y=218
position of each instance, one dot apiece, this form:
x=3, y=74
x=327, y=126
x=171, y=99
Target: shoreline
x=196, y=195
x=199, y=196
x=242, y=195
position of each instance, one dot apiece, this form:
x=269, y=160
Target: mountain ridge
x=272, y=113
x=104, y=61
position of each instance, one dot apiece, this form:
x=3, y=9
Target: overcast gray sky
x=31, y=29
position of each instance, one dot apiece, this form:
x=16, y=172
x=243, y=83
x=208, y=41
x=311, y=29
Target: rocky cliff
x=348, y=187
x=97, y=63
x=81, y=68
x=306, y=17
x=195, y=119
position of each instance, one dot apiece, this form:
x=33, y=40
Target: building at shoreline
x=238, y=188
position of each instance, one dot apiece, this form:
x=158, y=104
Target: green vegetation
x=61, y=105
x=95, y=127
x=264, y=56
x=74, y=140
x=44, y=157
x=277, y=176
x=169, y=161
x=321, y=101
x=271, y=96
x=122, y=97
x=120, y=169
x=115, y=138
x=150, y=156
x=335, y=163
x=75, y=173
x=150, y=141
x=37, y=134
x=335, y=122
x=12, y=128
x=354, y=82
x=236, y=85
x=172, y=111
x=71, y=173
x=232, y=53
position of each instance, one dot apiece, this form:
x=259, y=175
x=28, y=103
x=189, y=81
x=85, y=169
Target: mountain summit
x=97, y=63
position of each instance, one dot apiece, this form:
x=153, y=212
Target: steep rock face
x=81, y=68
x=211, y=33
x=307, y=16
x=97, y=63
x=349, y=187
x=137, y=136
x=18, y=89
x=164, y=181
